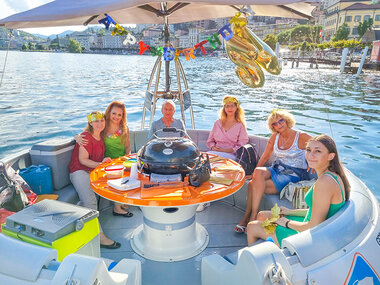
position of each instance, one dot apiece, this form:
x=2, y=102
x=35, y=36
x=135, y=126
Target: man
x=167, y=121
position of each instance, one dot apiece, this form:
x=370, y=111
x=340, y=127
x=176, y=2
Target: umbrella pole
x=152, y=97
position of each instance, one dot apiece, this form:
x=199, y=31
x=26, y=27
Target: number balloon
x=250, y=54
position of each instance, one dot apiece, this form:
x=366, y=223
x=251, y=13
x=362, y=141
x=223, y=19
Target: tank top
x=292, y=156
x=333, y=207
x=114, y=146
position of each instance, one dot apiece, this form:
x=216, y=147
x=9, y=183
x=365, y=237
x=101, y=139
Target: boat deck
x=219, y=219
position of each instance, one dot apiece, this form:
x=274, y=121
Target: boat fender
x=276, y=275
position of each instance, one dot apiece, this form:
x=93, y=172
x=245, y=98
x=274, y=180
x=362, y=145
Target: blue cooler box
x=39, y=178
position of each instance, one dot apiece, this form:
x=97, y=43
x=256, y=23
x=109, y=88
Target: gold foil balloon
x=250, y=54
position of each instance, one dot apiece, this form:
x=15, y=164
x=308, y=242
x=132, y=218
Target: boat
x=342, y=250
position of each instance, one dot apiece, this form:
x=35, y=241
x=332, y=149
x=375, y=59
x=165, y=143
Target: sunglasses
x=280, y=121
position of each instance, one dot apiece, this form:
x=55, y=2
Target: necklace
x=282, y=146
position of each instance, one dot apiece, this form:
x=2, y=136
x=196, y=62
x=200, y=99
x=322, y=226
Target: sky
x=10, y=7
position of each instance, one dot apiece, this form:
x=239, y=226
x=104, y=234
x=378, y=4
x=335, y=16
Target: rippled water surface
x=48, y=94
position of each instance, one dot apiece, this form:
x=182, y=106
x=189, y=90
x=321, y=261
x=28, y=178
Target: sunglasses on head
x=280, y=121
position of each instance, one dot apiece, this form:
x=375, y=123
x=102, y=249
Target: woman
x=228, y=134
x=83, y=160
x=326, y=197
x=288, y=147
x=229, y=131
x=116, y=141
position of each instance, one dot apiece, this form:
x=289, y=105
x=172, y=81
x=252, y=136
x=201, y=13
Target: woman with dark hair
x=85, y=159
x=325, y=198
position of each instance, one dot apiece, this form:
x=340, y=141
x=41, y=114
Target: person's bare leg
x=247, y=214
x=255, y=231
x=104, y=240
x=118, y=208
x=258, y=187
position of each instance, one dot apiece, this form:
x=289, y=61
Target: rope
x=6, y=57
x=276, y=275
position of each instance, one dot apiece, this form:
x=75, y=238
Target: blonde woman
x=229, y=132
x=326, y=197
x=288, y=147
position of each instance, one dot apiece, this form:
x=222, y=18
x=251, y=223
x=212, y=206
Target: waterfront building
x=352, y=13
x=85, y=39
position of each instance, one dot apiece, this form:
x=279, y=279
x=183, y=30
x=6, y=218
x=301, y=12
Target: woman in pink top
x=229, y=132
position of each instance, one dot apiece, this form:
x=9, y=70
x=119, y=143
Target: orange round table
x=169, y=231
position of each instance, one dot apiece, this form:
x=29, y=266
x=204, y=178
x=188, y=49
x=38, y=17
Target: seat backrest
x=21, y=260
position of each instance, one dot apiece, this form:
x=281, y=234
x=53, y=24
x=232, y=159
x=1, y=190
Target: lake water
x=45, y=95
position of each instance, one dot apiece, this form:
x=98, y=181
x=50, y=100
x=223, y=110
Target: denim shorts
x=280, y=180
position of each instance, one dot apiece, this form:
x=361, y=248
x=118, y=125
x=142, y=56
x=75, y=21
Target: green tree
x=342, y=33
x=40, y=47
x=54, y=46
x=271, y=41
x=31, y=46
x=365, y=26
x=24, y=47
x=283, y=37
x=74, y=46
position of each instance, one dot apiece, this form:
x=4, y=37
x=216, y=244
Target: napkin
x=227, y=168
x=125, y=183
x=221, y=180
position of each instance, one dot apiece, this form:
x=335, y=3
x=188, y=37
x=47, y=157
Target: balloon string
x=6, y=57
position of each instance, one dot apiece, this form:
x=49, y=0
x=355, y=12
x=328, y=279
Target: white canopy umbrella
x=83, y=12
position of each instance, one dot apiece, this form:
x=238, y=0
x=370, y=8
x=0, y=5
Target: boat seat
x=67, y=194
x=249, y=267
x=327, y=237
x=93, y=270
x=25, y=263
x=22, y=261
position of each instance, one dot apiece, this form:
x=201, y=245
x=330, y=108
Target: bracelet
x=287, y=224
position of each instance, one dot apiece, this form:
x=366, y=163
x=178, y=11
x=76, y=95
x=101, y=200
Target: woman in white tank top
x=288, y=147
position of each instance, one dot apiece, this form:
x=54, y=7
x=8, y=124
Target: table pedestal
x=169, y=234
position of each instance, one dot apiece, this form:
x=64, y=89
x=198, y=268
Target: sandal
x=240, y=229
x=127, y=214
x=115, y=245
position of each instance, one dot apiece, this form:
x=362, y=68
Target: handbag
x=200, y=173
x=247, y=157
x=12, y=195
x=295, y=193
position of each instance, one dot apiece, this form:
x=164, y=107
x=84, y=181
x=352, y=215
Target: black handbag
x=201, y=171
x=12, y=196
x=247, y=157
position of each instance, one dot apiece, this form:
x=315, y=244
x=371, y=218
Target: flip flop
x=115, y=245
x=127, y=214
x=240, y=229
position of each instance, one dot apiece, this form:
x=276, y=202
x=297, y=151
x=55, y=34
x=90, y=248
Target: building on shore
x=351, y=12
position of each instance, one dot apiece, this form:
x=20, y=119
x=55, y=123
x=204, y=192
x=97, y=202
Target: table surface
x=181, y=195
